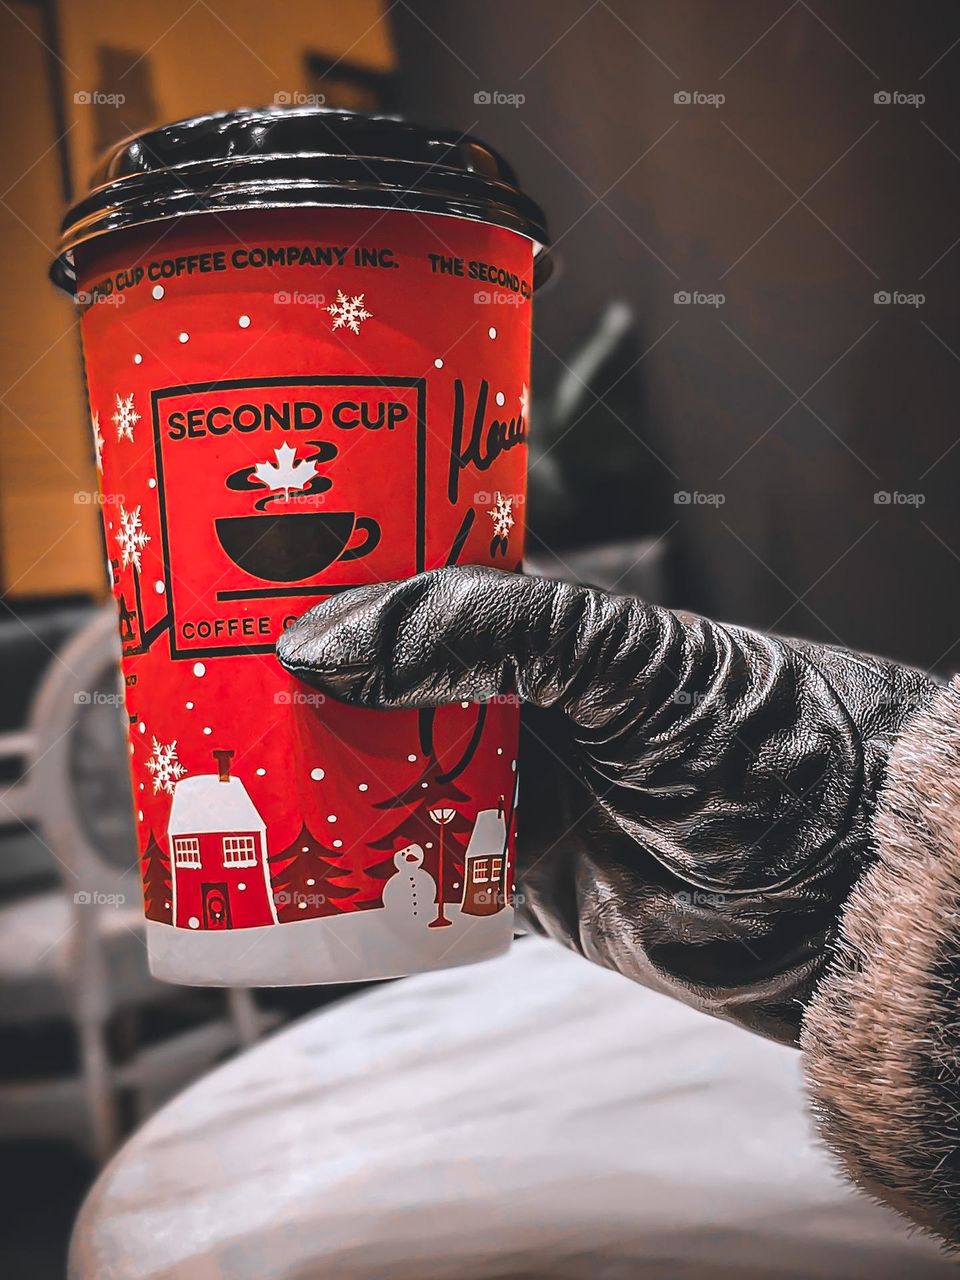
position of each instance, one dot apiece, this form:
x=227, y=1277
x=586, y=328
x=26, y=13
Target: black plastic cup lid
x=274, y=158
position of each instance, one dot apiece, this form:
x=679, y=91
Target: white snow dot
x=317, y=775
x=338, y=844
x=438, y=363
x=331, y=817
x=142, y=727
x=183, y=337
x=188, y=705
x=424, y=785
x=429, y=844
x=159, y=586
x=207, y=730
x=302, y=906
x=141, y=786
x=166, y=906
x=138, y=358
x=411, y=758
x=261, y=773
x=193, y=922
x=363, y=787
x=311, y=880
x=151, y=483
x=139, y=815
x=305, y=848
x=244, y=322
x=499, y=751
x=501, y=398
x=241, y=885
x=131, y=748
x=491, y=332
x=513, y=765
x=158, y=291
x=199, y=669
x=456, y=884
x=465, y=705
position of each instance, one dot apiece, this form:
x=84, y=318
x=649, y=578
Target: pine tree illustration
x=305, y=879
x=416, y=826
x=155, y=872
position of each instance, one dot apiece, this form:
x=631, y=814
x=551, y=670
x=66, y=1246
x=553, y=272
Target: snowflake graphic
x=524, y=398
x=131, y=538
x=501, y=513
x=349, y=313
x=126, y=416
x=165, y=766
x=97, y=440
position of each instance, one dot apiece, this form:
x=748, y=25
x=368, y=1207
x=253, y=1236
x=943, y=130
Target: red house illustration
x=484, y=865
x=218, y=853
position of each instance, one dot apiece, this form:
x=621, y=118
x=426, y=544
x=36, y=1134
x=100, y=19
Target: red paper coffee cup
x=307, y=345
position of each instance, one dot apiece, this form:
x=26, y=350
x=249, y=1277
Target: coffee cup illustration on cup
x=279, y=545
x=290, y=546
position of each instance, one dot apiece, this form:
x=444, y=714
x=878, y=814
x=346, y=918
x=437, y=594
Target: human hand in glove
x=698, y=802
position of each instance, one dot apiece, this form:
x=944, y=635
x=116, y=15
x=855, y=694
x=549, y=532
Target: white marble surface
x=532, y=1116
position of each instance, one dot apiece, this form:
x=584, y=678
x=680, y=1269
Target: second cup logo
x=274, y=493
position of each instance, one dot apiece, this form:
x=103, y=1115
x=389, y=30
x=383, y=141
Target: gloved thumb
x=465, y=633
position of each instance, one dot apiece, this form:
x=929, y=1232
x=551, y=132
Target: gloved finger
x=465, y=633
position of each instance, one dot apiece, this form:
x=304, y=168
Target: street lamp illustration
x=441, y=816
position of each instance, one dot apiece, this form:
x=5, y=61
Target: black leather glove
x=696, y=800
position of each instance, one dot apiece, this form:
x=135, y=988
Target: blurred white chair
x=79, y=952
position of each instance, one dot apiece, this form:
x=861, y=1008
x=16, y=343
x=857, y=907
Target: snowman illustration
x=409, y=893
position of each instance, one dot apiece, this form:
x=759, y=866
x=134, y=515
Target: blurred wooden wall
x=60, y=62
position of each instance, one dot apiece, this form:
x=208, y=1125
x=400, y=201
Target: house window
x=496, y=868
x=481, y=870
x=239, y=851
x=186, y=851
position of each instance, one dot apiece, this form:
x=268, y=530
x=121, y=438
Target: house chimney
x=223, y=759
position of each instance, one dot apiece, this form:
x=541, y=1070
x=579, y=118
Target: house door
x=216, y=905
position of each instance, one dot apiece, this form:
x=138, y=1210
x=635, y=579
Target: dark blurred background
x=745, y=372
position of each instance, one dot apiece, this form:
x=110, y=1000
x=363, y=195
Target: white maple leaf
x=286, y=473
